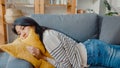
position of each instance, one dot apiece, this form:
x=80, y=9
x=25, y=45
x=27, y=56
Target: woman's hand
x=34, y=51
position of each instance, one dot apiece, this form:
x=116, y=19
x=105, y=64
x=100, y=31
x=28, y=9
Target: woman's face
x=23, y=31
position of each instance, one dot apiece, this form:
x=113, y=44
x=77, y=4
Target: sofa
x=79, y=27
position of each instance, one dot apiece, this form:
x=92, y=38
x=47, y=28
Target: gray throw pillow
x=110, y=29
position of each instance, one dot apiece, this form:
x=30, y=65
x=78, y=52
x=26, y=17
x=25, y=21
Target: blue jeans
x=102, y=54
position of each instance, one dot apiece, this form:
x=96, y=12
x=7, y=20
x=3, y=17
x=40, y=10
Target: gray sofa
x=80, y=27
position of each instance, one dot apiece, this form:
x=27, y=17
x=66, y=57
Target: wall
x=115, y=4
x=96, y=5
x=102, y=8
x=84, y=4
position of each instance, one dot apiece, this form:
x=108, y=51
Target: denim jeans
x=102, y=54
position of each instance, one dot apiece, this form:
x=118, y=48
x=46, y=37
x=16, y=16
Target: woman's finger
x=34, y=51
x=30, y=49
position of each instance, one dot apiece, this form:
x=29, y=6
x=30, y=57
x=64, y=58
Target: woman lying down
x=60, y=51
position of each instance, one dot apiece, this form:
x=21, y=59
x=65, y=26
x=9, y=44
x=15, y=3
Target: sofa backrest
x=80, y=27
x=110, y=29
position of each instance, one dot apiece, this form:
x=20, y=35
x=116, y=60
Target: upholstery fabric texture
x=14, y=62
x=3, y=59
x=110, y=30
x=78, y=26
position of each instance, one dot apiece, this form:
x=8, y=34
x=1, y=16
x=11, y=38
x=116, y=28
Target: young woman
x=66, y=52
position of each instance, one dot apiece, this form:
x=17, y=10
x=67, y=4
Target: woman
x=65, y=51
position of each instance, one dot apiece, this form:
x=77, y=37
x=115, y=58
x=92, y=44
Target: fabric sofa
x=80, y=27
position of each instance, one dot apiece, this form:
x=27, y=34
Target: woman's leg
x=92, y=52
x=100, y=53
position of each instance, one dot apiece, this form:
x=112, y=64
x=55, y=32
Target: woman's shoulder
x=50, y=39
x=50, y=32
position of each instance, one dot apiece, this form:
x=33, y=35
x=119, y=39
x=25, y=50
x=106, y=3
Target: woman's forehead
x=17, y=26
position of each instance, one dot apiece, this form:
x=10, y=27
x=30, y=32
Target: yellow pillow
x=18, y=49
x=33, y=40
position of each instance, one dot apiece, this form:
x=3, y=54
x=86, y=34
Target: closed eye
x=22, y=27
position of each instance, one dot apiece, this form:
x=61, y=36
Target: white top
x=53, y=40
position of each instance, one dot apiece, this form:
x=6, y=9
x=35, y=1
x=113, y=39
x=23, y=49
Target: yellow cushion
x=18, y=49
x=33, y=40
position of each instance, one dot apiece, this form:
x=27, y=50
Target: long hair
x=27, y=21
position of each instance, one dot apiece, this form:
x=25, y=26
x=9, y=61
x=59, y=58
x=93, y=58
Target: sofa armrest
x=3, y=59
x=18, y=63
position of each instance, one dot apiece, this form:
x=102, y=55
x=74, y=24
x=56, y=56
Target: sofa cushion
x=78, y=26
x=3, y=59
x=18, y=63
x=110, y=30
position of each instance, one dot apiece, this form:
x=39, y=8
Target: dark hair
x=27, y=21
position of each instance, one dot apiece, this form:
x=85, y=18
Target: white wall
x=115, y=5
x=84, y=4
x=102, y=8
x=96, y=5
